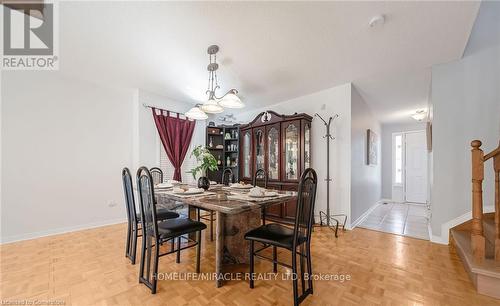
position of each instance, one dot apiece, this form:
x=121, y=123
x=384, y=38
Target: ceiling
x=269, y=51
x=394, y=97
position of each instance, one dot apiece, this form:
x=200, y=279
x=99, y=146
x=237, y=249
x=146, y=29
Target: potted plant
x=206, y=161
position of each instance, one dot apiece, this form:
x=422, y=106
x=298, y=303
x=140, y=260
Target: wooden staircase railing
x=477, y=235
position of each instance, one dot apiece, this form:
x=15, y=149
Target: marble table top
x=231, y=206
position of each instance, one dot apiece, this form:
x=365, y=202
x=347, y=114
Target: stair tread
x=488, y=267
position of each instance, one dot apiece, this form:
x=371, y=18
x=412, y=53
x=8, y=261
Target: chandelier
x=214, y=104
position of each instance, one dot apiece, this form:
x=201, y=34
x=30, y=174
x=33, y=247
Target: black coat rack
x=327, y=217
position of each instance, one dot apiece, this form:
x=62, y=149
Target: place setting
x=185, y=191
x=254, y=194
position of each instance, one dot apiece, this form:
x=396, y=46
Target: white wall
x=64, y=143
x=365, y=179
x=466, y=102
x=387, y=131
x=327, y=103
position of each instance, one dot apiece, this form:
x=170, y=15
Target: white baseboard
x=61, y=230
x=445, y=227
x=365, y=215
x=392, y=201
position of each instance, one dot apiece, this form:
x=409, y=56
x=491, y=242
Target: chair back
x=147, y=203
x=306, y=199
x=227, y=173
x=262, y=173
x=157, y=175
x=129, y=196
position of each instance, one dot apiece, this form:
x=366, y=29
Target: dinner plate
x=164, y=185
x=266, y=195
x=189, y=192
x=242, y=187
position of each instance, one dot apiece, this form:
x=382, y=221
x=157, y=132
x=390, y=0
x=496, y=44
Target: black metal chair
x=230, y=176
x=277, y=235
x=157, y=175
x=209, y=216
x=263, y=175
x=134, y=218
x=260, y=172
x=157, y=233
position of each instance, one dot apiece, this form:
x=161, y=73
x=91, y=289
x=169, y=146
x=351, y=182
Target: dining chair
x=134, y=218
x=155, y=233
x=207, y=215
x=157, y=175
x=230, y=176
x=280, y=236
x=263, y=173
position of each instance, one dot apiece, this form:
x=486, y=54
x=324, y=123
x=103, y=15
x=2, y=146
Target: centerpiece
x=206, y=161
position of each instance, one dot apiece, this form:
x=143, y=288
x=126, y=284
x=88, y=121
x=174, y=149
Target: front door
x=416, y=167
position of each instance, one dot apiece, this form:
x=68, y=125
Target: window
x=397, y=143
x=168, y=169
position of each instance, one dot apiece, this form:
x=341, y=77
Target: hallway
x=399, y=218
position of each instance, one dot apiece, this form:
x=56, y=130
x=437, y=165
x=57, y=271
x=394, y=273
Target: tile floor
x=399, y=218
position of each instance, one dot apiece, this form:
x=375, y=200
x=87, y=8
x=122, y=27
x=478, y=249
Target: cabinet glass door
x=246, y=154
x=259, y=149
x=291, y=151
x=307, y=146
x=273, y=153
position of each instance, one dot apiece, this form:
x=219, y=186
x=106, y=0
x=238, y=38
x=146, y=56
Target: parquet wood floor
x=89, y=268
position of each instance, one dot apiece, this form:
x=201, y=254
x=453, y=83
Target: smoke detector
x=376, y=21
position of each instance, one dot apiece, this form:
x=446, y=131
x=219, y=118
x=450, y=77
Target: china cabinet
x=281, y=145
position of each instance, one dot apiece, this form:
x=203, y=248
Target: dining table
x=236, y=211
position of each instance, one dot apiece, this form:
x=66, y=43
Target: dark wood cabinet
x=280, y=144
x=223, y=142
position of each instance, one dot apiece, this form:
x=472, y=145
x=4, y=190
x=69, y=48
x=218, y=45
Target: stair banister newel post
x=477, y=236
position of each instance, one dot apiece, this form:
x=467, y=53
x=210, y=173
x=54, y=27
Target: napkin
x=195, y=190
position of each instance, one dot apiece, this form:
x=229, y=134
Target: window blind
x=168, y=169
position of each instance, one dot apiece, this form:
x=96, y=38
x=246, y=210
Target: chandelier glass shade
x=196, y=113
x=231, y=100
x=212, y=107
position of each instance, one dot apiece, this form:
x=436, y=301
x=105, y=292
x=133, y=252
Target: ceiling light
x=419, y=115
x=212, y=107
x=196, y=113
x=214, y=104
x=231, y=100
x=377, y=20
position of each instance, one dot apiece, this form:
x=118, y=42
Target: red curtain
x=175, y=134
